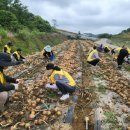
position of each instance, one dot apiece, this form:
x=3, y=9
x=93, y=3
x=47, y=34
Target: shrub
x=3, y=33
x=24, y=34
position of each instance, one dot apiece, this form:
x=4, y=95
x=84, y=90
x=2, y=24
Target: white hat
x=47, y=48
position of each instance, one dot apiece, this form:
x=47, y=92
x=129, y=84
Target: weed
x=101, y=88
x=111, y=118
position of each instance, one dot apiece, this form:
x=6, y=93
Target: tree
x=8, y=20
x=54, y=21
x=42, y=25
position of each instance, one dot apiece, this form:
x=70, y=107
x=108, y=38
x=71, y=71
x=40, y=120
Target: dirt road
x=105, y=42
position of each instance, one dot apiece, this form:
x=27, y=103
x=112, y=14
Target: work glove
x=16, y=86
x=24, y=60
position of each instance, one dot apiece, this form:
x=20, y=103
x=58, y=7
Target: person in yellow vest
x=5, y=81
x=17, y=55
x=93, y=57
x=115, y=52
x=102, y=48
x=7, y=48
x=106, y=49
x=61, y=80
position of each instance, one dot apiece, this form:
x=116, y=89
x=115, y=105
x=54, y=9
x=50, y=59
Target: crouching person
x=48, y=53
x=17, y=56
x=61, y=80
x=93, y=57
x=5, y=86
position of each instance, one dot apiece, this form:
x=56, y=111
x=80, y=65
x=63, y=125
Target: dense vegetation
x=15, y=16
x=26, y=30
x=122, y=38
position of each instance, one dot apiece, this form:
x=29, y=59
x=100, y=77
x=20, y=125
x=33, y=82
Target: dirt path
x=105, y=43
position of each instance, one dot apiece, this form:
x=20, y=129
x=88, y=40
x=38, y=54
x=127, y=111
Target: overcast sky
x=88, y=16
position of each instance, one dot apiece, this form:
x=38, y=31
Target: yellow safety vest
x=128, y=51
x=18, y=56
x=118, y=51
x=63, y=73
x=8, y=49
x=107, y=47
x=91, y=55
x=2, y=78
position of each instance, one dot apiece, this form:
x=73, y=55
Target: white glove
x=16, y=86
x=24, y=60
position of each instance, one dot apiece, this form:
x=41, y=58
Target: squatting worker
x=5, y=86
x=17, y=55
x=93, y=57
x=102, y=48
x=106, y=49
x=7, y=48
x=62, y=80
x=121, y=57
x=48, y=53
x=115, y=52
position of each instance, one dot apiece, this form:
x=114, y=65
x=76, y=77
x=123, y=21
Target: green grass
x=111, y=118
x=120, y=40
x=127, y=67
x=101, y=88
x=31, y=42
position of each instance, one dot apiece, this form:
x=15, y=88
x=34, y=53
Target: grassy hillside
x=121, y=39
x=30, y=42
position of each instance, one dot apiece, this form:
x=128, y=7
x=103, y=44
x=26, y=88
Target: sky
x=86, y=16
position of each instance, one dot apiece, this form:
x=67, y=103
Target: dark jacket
x=48, y=54
x=7, y=86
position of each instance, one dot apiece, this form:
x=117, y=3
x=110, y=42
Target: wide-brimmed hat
x=47, y=48
x=5, y=60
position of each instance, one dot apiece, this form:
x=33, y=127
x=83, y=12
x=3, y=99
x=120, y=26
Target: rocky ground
x=103, y=93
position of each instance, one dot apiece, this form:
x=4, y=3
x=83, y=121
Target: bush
x=8, y=20
x=24, y=34
x=3, y=33
x=105, y=35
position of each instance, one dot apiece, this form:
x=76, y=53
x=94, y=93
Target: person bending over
x=62, y=80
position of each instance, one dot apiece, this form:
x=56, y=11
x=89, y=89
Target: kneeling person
x=62, y=80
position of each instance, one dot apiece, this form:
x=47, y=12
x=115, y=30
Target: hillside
x=121, y=39
x=31, y=42
x=26, y=30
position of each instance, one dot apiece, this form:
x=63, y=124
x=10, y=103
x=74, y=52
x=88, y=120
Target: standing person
x=121, y=57
x=93, y=57
x=48, y=53
x=62, y=80
x=7, y=48
x=5, y=81
x=17, y=55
